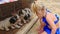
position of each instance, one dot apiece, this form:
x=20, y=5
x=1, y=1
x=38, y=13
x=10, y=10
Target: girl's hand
x=39, y=29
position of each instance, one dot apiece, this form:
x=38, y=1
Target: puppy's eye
x=29, y=11
x=20, y=12
x=25, y=10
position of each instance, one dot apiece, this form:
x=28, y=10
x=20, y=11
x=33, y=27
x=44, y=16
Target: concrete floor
x=52, y=5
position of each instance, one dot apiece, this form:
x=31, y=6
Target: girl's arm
x=51, y=23
x=41, y=24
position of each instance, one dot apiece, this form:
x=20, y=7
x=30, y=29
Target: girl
x=48, y=20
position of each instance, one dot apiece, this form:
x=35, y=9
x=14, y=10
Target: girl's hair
x=36, y=6
x=33, y=7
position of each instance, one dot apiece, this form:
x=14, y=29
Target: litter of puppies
x=16, y=21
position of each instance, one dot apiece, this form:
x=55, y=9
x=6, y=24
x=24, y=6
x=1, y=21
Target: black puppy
x=14, y=21
x=28, y=14
x=8, y=22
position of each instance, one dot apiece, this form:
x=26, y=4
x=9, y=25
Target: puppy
x=9, y=22
x=5, y=24
x=21, y=15
x=14, y=20
x=27, y=14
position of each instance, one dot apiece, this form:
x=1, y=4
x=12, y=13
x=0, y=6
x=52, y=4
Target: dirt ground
x=52, y=5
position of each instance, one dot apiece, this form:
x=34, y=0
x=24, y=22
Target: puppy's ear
x=20, y=12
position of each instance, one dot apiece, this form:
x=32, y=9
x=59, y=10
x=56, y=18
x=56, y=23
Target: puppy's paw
x=12, y=27
x=25, y=22
x=7, y=29
x=2, y=28
x=17, y=26
x=20, y=24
